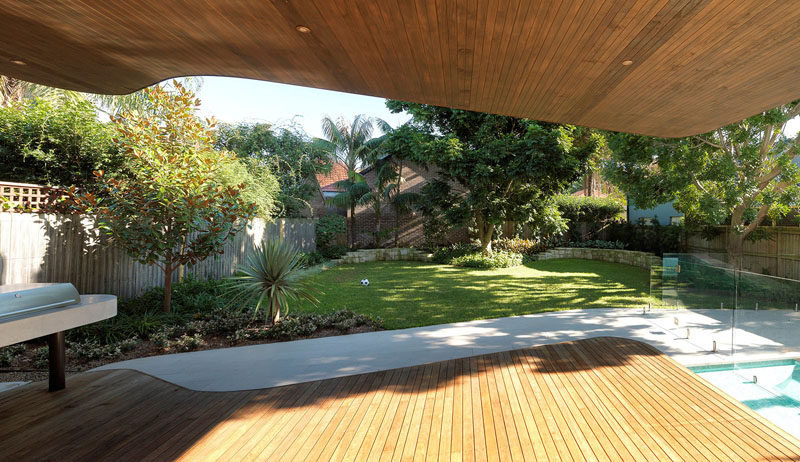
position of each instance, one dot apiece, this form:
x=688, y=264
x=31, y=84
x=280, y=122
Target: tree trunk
x=168, y=268
x=734, y=246
x=509, y=227
x=485, y=231
x=378, y=218
x=275, y=312
x=396, y=213
x=352, y=229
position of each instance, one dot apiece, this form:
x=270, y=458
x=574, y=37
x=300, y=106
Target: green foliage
x=653, y=238
x=260, y=185
x=332, y=252
x=598, y=244
x=525, y=247
x=490, y=260
x=172, y=211
x=494, y=168
x=357, y=191
x=10, y=353
x=287, y=152
x=271, y=280
x=307, y=324
x=328, y=228
x=57, y=145
x=737, y=175
x=589, y=209
x=313, y=258
x=445, y=255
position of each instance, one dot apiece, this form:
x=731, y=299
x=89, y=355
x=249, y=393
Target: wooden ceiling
x=696, y=65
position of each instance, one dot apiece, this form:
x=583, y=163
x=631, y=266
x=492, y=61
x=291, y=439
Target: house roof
x=327, y=181
x=647, y=66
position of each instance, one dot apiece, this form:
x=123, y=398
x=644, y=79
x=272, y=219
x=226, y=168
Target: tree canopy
x=286, y=151
x=736, y=176
x=56, y=144
x=505, y=168
x=174, y=209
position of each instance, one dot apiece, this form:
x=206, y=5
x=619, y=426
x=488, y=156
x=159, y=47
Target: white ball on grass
x=365, y=282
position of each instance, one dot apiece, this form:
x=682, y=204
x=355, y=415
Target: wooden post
x=57, y=358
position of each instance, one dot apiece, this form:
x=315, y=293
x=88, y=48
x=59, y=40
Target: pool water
x=774, y=393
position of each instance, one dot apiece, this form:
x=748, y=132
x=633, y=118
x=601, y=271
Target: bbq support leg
x=56, y=349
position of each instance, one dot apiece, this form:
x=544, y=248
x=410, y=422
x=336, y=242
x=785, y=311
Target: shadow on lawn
x=448, y=294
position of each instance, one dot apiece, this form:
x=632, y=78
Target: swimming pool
x=771, y=388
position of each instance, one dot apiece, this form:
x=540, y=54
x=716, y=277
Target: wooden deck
x=597, y=399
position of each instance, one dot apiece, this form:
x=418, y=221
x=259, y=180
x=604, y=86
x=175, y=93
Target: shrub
x=303, y=325
x=598, y=244
x=333, y=252
x=445, y=255
x=653, y=238
x=9, y=353
x=526, y=247
x=313, y=258
x=328, y=228
x=589, y=209
x=496, y=259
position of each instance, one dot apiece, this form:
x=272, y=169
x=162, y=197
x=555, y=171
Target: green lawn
x=411, y=294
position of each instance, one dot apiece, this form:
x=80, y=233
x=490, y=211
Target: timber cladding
x=658, y=67
x=68, y=248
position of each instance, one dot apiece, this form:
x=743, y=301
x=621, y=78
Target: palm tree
x=348, y=143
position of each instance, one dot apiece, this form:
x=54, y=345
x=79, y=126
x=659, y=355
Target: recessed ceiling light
x=303, y=29
x=18, y=62
x=627, y=62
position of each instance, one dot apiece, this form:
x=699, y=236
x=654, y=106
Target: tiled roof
x=327, y=181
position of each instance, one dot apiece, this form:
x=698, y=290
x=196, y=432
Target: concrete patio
x=759, y=335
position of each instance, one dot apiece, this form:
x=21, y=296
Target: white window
x=675, y=220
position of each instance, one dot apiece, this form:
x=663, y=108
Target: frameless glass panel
x=693, y=298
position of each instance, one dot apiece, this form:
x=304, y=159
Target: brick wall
x=409, y=228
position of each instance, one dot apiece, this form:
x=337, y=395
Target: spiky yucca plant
x=271, y=280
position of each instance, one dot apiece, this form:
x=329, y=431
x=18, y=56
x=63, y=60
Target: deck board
x=595, y=399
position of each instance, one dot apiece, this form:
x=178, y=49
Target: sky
x=242, y=100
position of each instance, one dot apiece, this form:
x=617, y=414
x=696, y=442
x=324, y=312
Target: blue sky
x=242, y=100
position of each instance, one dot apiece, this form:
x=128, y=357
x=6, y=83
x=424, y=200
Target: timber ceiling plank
x=696, y=64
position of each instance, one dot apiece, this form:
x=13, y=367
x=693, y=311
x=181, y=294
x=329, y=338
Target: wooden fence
x=68, y=248
x=776, y=255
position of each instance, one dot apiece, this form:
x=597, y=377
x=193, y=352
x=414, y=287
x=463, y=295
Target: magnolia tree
x=171, y=211
x=735, y=176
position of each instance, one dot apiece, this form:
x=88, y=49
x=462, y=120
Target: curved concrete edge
x=285, y=363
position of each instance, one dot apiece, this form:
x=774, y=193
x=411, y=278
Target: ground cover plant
x=410, y=294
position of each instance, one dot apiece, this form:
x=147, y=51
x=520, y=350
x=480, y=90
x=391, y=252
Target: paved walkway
x=763, y=334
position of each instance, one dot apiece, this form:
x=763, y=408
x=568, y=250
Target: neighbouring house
x=326, y=183
x=403, y=231
x=664, y=214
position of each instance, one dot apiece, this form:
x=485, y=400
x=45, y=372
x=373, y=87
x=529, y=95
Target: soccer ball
x=365, y=282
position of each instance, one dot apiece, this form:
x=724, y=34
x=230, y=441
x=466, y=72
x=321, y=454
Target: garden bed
x=202, y=318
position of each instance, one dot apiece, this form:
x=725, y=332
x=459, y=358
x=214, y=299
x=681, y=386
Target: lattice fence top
x=24, y=197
